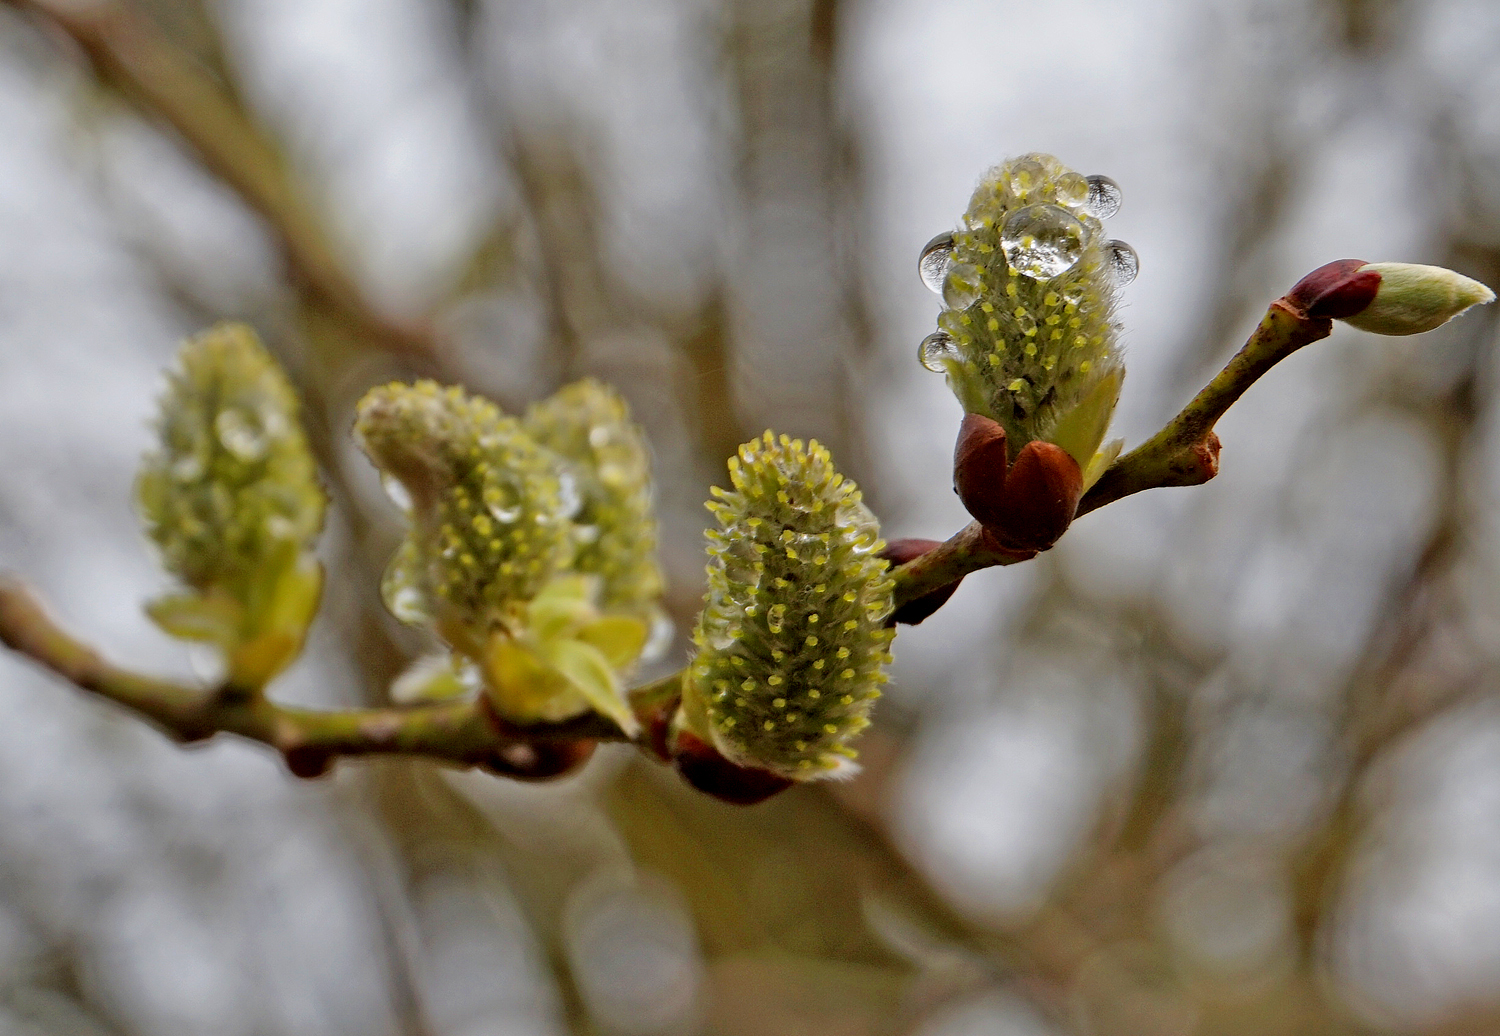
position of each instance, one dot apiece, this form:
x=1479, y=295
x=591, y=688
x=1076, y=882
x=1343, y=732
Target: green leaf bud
x=1412, y=299
x=1029, y=282
x=792, y=639
x=231, y=498
x=488, y=519
x=560, y=658
x=587, y=424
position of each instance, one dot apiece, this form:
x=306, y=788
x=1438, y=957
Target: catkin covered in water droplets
x=1032, y=330
x=464, y=464
x=588, y=425
x=233, y=479
x=792, y=639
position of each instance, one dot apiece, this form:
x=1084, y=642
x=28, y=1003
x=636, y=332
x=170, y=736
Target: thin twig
x=454, y=732
x=1184, y=453
x=131, y=56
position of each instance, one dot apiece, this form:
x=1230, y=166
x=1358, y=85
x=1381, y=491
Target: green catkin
x=232, y=484
x=792, y=641
x=588, y=426
x=488, y=527
x=1027, y=341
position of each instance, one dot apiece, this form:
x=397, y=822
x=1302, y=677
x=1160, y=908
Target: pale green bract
x=792, y=640
x=588, y=426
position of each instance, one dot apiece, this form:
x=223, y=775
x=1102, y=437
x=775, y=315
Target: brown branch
x=131, y=56
x=1184, y=453
x=464, y=733
x=461, y=733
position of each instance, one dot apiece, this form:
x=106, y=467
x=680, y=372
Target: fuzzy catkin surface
x=233, y=480
x=587, y=424
x=791, y=641
x=1027, y=343
x=487, y=515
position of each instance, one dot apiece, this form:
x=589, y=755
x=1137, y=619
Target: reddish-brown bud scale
x=1026, y=505
x=307, y=762
x=656, y=725
x=704, y=768
x=540, y=760
x=1041, y=490
x=1336, y=290
x=980, y=460
x=898, y=553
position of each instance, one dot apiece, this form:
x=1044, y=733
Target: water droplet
x=408, y=605
x=1072, y=190
x=569, y=498
x=1104, y=197
x=1042, y=241
x=742, y=564
x=961, y=288
x=239, y=436
x=663, y=631
x=1124, y=264
x=397, y=492
x=502, y=514
x=861, y=521
x=273, y=422
x=720, y=636
x=187, y=468
x=936, y=348
x=400, y=586
x=599, y=436
x=933, y=264
x=1027, y=175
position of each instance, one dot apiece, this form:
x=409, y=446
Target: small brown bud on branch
x=1025, y=505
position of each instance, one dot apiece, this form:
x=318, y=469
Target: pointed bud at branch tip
x=1386, y=298
x=1335, y=290
x=1412, y=298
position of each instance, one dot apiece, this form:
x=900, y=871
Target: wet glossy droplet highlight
x=407, y=604
x=569, y=496
x=502, y=514
x=1042, y=241
x=1124, y=263
x=239, y=436
x=933, y=264
x=961, y=287
x=936, y=348
x=187, y=468
x=1104, y=197
x=396, y=491
x=1027, y=175
x=1072, y=190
